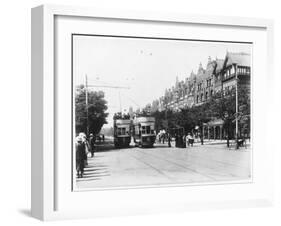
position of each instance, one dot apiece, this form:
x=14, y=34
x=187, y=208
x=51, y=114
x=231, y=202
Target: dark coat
x=92, y=143
x=80, y=156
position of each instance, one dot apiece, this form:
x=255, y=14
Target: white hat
x=78, y=138
x=82, y=134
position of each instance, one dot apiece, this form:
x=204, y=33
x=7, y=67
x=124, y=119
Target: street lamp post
x=236, y=115
x=227, y=127
x=201, y=132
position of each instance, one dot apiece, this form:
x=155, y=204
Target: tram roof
x=144, y=119
x=122, y=121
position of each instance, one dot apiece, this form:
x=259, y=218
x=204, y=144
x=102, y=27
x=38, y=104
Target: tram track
x=178, y=165
x=156, y=169
x=188, y=168
x=214, y=160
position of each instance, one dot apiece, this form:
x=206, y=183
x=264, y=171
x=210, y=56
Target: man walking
x=92, y=144
x=189, y=139
x=201, y=138
x=169, y=140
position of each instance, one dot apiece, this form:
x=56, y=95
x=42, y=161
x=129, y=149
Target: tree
x=219, y=106
x=97, y=107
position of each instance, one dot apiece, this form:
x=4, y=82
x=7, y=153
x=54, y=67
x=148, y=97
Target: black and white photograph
x=153, y=111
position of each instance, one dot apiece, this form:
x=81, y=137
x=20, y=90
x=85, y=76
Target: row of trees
x=219, y=106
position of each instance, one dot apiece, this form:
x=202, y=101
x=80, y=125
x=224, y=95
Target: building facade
x=220, y=76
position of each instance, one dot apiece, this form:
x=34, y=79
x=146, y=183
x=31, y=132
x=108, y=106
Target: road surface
x=162, y=165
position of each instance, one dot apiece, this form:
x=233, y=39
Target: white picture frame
x=46, y=189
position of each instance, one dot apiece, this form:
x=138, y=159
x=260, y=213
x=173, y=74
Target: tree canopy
x=97, y=107
x=219, y=106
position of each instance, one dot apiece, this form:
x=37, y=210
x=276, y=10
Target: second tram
x=144, y=131
x=122, y=133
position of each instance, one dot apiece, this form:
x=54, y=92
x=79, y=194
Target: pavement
x=162, y=165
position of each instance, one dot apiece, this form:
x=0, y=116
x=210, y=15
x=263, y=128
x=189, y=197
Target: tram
x=122, y=133
x=143, y=131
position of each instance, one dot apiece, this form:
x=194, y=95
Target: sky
x=142, y=68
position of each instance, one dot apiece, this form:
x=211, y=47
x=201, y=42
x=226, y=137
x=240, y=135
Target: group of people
x=181, y=141
x=83, y=147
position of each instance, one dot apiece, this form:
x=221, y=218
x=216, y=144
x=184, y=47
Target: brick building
x=196, y=89
x=219, y=75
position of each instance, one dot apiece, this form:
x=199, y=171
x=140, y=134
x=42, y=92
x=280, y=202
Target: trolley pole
x=86, y=88
x=87, y=105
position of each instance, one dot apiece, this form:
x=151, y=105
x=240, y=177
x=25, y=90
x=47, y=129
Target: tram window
x=143, y=129
x=123, y=131
x=119, y=131
x=148, y=129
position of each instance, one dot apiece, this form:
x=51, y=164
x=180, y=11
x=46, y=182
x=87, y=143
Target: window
x=143, y=129
x=208, y=83
x=121, y=131
x=232, y=70
x=199, y=86
x=148, y=129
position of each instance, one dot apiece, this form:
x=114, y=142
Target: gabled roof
x=242, y=59
x=210, y=68
x=192, y=75
x=219, y=65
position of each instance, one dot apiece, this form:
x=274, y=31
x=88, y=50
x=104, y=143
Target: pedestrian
x=190, y=139
x=187, y=139
x=183, y=141
x=201, y=138
x=80, y=156
x=92, y=144
x=163, y=136
x=159, y=136
x=169, y=140
x=87, y=147
x=176, y=140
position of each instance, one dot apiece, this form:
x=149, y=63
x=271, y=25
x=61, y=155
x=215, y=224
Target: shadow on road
x=108, y=146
